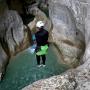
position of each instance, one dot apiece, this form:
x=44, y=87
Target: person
x=41, y=36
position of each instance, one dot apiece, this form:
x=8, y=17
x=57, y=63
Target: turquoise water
x=22, y=70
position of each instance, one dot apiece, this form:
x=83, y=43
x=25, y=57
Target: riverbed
x=22, y=70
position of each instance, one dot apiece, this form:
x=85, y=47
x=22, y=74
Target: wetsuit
x=42, y=42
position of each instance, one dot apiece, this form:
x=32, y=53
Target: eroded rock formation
x=79, y=78
x=70, y=32
x=11, y=29
x=66, y=35
x=13, y=37
x=39, y=16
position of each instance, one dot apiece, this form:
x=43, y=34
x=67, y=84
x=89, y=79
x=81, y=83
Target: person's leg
x=38, y=59
x=43, y=59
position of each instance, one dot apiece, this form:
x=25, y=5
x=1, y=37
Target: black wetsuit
x=41, y=39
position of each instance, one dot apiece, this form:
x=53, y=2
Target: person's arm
x=34, y=39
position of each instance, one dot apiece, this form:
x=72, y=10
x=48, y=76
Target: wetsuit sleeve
x=33, y=37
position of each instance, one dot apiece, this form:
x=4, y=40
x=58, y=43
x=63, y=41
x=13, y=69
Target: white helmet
x=40, y=24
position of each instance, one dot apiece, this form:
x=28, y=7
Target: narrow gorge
x=68, y=24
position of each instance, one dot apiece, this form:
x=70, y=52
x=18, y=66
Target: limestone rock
x=65, y=33
x=59, y=82
x=13, y=38
x=78, y=9
x=32, y=24
x=70, y=53
x=11, y=29
x=39, y=16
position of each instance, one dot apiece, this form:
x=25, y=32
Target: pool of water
x=22, y=70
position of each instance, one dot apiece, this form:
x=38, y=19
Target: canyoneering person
x=41, y=38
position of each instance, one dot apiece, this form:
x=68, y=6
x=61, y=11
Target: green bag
x=43, y=50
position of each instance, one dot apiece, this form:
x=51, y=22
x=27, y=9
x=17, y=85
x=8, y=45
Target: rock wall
x=11, y=29
x=67, y=34
x=13, y=37
x=39, y=16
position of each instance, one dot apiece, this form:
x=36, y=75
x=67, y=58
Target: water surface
x=22, y=70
